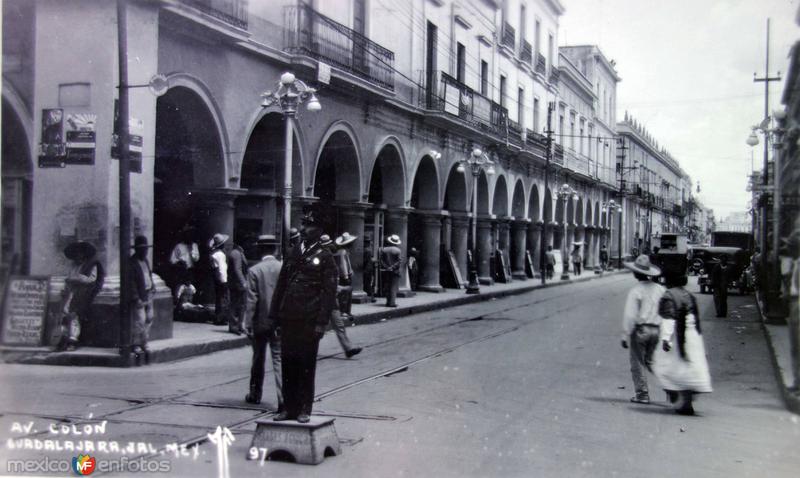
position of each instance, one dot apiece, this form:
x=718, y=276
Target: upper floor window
x=502, y=91
x=484, y=78
x=522, y=17
x=461, y=63
x=537, y=36
x=521, y=106
x=536, y=125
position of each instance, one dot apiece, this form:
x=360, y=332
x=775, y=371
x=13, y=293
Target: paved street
x=531, y=385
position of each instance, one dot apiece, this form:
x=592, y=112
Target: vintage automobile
x=696, y=262
x=738, y=260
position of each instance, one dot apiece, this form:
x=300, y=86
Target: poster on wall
x=135, y=140
x=24, y=310
x=52, y=150
x=81, y=141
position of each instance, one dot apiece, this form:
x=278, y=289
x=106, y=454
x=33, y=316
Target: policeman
x=304, y=299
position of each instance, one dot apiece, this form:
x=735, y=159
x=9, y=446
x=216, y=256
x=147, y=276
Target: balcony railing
x=558, y=154
x=525, y=52
x=508, y=36
x=541, y=64
x=229, y=11
x=308, y=32
x=451, y=96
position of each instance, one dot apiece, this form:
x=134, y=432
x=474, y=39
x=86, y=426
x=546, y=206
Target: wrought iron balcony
x=308, y=32
x=541, y=64
x=508, y=37
x=229, y=11
x=526, y=52
x=448, y=95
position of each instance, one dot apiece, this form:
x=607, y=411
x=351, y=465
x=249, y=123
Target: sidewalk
x=778, y=341
x=193, y=339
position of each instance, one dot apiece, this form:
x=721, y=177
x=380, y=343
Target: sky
x=687, y=75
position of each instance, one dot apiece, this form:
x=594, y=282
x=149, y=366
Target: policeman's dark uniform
x=304, y=298
x=720, y=278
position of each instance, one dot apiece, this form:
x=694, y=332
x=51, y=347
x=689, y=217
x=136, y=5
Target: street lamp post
x=289, y=95
x=476, y=161
x=565, y=193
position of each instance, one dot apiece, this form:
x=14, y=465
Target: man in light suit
x=391, y=260
x=259, y=326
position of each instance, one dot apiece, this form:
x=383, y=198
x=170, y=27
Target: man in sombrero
x=83, y=283
x=391, y=260
x=641, y=322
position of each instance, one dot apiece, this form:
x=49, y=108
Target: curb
x=791, y=400
x=377, y=316
x=110, y=357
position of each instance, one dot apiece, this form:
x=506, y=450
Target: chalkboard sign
x=529, y=264
x=456, y=271
x=24, y=310
x=501, y=270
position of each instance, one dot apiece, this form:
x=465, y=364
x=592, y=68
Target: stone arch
x=500, y=197
x=579, y=216
x=596, y=221
x=547, y=207
x=199, y=88
x=17, y=184
x=518, y=202
x=190, y=155
x=455, y=193
x=425, y=189
x=339, y=164
x=483, y=193
x=268, y=126
x=571, y=210
x=534, y=208
x=387, y=179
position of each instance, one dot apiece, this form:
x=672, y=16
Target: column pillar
x=520, y=233
x=534, y=244
x=458, y=243
x=504, y=242
x=396, y=222
x=588, y=248
x=351, y=216
x=429, y=262
x=549, y=236
x=214, y=212
x=484, y=241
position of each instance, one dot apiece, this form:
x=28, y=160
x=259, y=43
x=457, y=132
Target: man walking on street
x=640, y=323
x=337, y=324
x=604, y=257
x=219, y=265
x=720, y=278
x=259, y=326
x=577, y=259
x=141, y=306
x=304, y=298
x=550, y=262
x=237, y=288
x=391, y=261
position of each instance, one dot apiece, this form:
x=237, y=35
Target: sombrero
x=642, y=266
x=217, y=241
x=79, y=248
x=325, y=240
x=266, y=240
x=394, y=240
x=345, y=239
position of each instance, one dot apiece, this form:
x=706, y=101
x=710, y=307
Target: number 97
x=257, y=454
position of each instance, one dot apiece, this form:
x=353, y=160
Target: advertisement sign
x=52, y=150
x=81, y=140
x=135, y=140
x=24, y=310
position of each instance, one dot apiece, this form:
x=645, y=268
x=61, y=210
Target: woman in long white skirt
x=680, y=363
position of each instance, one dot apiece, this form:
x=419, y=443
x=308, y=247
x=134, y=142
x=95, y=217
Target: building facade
x=656, y=188
x=408, y=90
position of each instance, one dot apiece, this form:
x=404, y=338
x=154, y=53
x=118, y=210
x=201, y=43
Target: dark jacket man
x=391, y=261
x=304, y=299
x=261, y=281
x=720, y=278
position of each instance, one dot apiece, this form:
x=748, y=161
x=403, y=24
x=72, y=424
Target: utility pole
x=124, y=186
x=766, y=79
x=621, y=148
x=547, y=156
